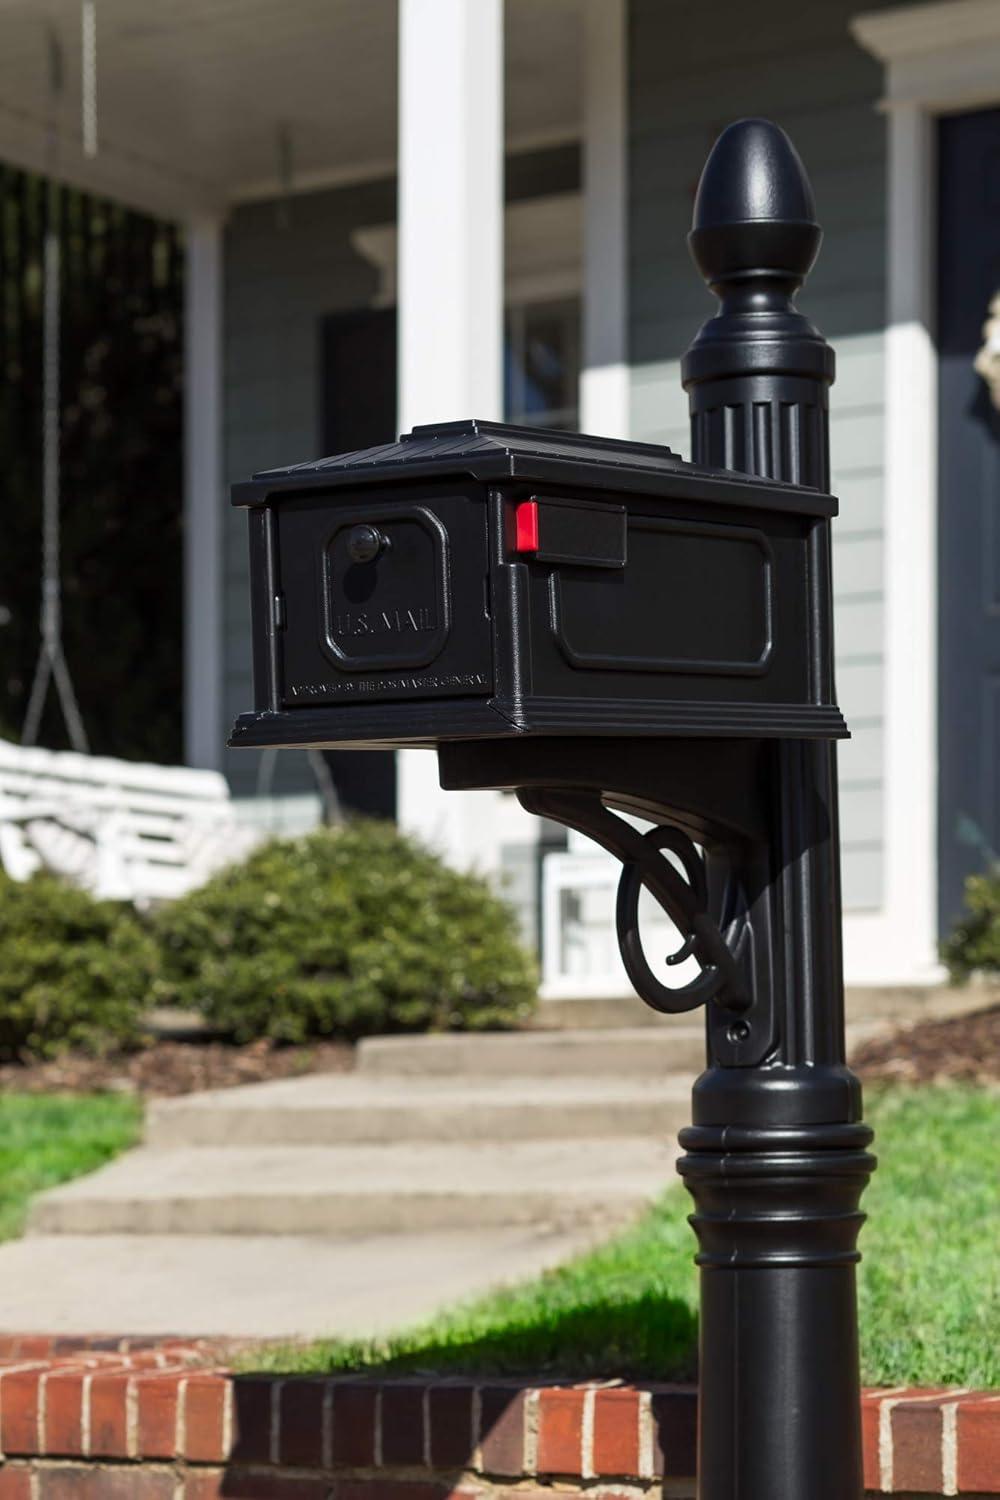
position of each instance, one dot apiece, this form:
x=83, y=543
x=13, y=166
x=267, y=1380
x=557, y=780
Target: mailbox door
x=383, y=596
x=639, y=602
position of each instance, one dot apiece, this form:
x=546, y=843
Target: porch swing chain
x=52, y=663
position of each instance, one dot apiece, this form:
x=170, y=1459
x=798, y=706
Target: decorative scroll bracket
x=705, y=861
x=723, y=947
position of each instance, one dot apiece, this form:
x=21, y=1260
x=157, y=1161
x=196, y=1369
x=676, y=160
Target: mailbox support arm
x=701, y=860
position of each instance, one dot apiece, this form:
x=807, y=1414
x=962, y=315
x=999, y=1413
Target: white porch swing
x=123, y=830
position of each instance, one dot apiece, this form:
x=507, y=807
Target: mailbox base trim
x=396, y=725
x=654, y=716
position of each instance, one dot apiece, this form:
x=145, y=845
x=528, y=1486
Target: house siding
x=286, y=268
x=287, y=265
x=795, y=64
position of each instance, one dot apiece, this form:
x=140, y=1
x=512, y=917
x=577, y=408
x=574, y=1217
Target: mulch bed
x=961, y=1049
x=166, y=1068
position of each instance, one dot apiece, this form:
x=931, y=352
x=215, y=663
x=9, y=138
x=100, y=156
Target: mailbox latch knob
x=364, y=543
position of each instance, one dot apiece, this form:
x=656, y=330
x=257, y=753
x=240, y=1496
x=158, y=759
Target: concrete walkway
x=260, y=1286
x=412, y=1187
x=350, y=1204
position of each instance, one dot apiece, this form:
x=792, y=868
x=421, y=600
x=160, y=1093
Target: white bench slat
x=121, y=829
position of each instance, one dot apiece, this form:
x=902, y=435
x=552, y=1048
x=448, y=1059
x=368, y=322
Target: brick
x=916, y=1446
x=520, y=1493
x=301, y=1423
x=380, y=1488
x=560, y=1432
x=204, y=1406
x=449, y=1413
x=63, y=1404
x=15, y=1484
x=148, y=1359
x=871, y=1405
x=252, y=1396
x=34, y=1346
x=354, y=1424
x=93, y=1483
x=109, y=1416
x=156, y=1413
x=403, y=1425
x=239, y=1484
x=208, y=1484
x=977, y=1430
x=501, y=1429
x=616, y=1433
x=610, y=1492
x=675, y=1432
x=19, y=1412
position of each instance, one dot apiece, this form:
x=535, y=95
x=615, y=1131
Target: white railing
x=121, y=829
x=579, y=945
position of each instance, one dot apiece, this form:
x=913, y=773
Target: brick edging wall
x=156, y=1420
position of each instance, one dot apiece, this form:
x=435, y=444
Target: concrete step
x=361, y=1189
x=262, y=1286
x=899, y=1004
x=622, y=1053
x=330, y=1109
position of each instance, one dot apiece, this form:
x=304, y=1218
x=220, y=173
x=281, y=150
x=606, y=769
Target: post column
x=776, y=1159
x=204, y=501
x=604, y=378
x=450, y=316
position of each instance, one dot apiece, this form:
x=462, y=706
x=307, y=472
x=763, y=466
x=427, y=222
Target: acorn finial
x=754, y=212
x=757, y=372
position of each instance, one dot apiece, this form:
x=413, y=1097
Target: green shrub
x=975, y=943
x=74, y=972
x=344, y=933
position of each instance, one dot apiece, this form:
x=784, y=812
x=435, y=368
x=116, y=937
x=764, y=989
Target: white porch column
x=450, y=210
x=911, y=520
x=451, y=205
x=204, y=730
x=604, y=386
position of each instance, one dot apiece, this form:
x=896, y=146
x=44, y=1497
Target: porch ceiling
x=193, y=94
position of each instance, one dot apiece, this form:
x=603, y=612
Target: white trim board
x=204, y=493
x=938, y=58
x=604, y=373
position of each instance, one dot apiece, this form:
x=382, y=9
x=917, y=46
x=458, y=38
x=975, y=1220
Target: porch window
x=542, y=363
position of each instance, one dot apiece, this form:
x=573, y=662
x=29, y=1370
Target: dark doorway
x=359, y=411
x=969, y=507
x=359, y=379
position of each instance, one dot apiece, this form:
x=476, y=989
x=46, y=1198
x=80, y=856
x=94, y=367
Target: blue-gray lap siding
x=284, y=271
x=286, y=267
x=692, y=68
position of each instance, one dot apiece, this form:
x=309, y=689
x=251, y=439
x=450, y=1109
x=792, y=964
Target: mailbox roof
x=496, y=450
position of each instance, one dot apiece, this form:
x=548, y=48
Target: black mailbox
x=603, y=628
x=476, y=580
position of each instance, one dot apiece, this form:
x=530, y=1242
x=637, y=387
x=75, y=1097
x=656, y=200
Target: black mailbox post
x=602, y=628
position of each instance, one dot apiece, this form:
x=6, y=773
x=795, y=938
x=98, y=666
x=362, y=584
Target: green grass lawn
x=929, y=1283
x=48, y=1138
